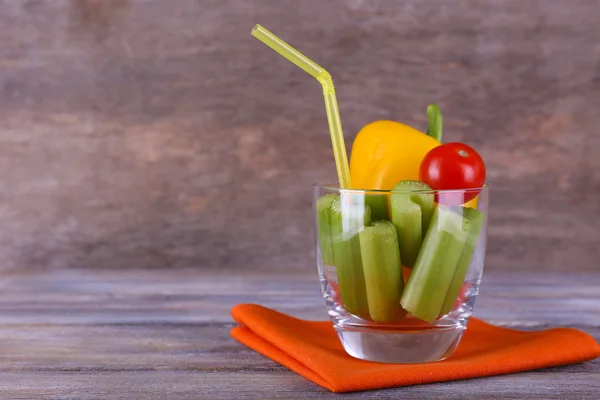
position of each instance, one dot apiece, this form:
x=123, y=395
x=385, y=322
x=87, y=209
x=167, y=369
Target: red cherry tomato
x=453, y=166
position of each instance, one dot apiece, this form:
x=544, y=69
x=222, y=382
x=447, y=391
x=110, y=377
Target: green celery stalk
x=406, y=217
x=383, y=271
x=430, y=279
x=348, y=217
x=324, y=227
x=476, y=219
x=379, y=206
x=411, y=214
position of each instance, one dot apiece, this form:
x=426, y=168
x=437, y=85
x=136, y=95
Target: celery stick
x=383, y=271
x=422, y=194
x=428, y=284
x=426, y=202
x=379, y=206
x=476, y=219
x=406, y=217
x=411, y=212
x=324, y=227
x=349, y=215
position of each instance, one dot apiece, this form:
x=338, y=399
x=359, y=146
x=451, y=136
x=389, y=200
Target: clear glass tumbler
x=400, y=270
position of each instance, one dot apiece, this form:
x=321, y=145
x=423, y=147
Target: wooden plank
x=141, y=133
x=280, y=385
x=203, y=348
x=153, y=334
x=192, y=296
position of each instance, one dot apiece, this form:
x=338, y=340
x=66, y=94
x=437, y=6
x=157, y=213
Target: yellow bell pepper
x=387, y=152
x=472, y=203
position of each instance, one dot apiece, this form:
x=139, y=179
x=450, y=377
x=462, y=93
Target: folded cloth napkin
x=312, y=349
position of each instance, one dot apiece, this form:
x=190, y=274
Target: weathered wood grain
x=111, y=334
x=141, y=133
x=280, y=385
x=168, y=347
x=79, y=297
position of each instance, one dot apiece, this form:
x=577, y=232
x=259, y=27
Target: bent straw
x=333, y=114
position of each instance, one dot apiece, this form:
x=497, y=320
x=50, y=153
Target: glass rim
x=334, y=187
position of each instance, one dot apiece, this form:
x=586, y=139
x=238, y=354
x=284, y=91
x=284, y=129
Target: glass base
x=400, y=347
x=406, y=341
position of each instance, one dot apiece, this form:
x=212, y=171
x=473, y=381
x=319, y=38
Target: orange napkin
x=312, y=349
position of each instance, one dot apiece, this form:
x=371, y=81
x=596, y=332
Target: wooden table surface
x=128, y=334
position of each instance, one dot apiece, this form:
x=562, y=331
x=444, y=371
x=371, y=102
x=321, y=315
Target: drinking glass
x=400, y=270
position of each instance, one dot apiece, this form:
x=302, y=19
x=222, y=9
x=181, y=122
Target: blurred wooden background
x=147, y=133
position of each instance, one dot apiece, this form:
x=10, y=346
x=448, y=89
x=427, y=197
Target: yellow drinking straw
x=333, y=114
